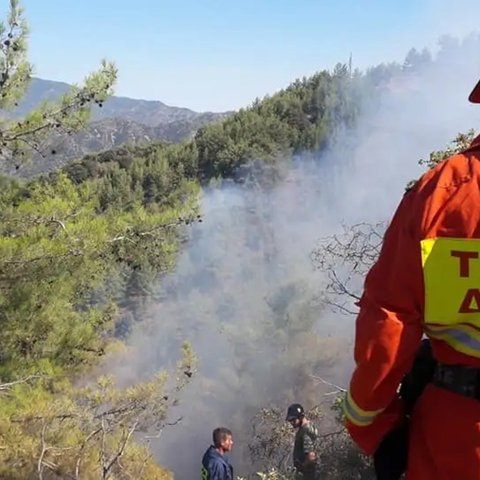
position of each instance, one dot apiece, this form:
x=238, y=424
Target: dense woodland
x=76, y=243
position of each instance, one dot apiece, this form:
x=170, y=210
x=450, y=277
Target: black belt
x=458, y=379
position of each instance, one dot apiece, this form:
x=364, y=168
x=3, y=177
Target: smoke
x=245, y=292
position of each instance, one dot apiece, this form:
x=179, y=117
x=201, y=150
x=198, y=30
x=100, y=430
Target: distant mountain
x=120, y=120
x=148, y=112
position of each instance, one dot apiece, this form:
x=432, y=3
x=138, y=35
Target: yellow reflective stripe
x=357, y=415
x=204, y=474
x=463, y=338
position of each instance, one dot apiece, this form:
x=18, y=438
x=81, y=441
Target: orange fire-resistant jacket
x=426, y=281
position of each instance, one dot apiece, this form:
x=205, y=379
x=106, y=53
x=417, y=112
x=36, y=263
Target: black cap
x=295, y=410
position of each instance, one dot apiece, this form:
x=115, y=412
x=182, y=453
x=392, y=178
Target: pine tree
x=20, y=138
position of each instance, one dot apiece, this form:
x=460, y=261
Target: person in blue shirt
x=215, y=464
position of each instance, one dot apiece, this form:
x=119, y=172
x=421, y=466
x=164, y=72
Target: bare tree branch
x=322, y=380
x=163, y=226
x=82, y=448
x=345, y=259
x=9, y=385
x=144, y=463
x=106, y=470
x=171, y=424
x=44, y=449
x=103, y=453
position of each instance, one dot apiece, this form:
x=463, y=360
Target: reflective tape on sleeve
x=357, y=415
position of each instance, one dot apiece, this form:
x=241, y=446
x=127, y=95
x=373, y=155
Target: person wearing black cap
x=305, y=459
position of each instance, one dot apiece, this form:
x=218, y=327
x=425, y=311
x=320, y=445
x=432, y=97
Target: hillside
x=120, y=120
x=102, y=135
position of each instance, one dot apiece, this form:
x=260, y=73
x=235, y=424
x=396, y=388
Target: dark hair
x=219, y=435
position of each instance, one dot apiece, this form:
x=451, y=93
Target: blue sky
x=221, y=54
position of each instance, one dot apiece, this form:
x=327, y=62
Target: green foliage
x=50, y=429
x=304, y=116
x=461, y=142
x=70, y=250
x=71, y=246
x=15, y=70
x=58, y=244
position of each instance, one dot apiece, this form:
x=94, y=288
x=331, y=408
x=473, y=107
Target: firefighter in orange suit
x=426, y=281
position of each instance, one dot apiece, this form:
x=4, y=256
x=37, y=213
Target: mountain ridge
x=120, y=121
x=43, y=89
